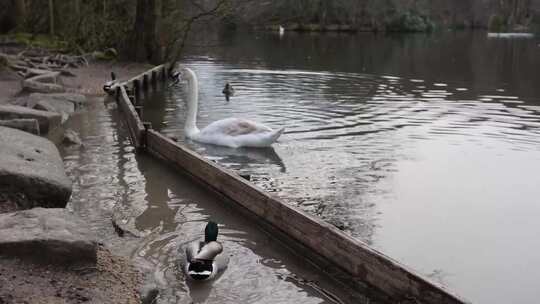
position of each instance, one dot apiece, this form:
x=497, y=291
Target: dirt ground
x=89, y=80
x=112, y=280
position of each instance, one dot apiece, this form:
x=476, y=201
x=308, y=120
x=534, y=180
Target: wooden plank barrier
x=135, y=126
x=354, y=257
x=326, y=243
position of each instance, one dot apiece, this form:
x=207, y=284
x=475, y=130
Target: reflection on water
x=426, y=147
x=166, y=211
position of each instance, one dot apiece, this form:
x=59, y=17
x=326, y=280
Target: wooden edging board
x=357, y=259
x=135, y=125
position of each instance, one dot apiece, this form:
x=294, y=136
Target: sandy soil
x=113, y=280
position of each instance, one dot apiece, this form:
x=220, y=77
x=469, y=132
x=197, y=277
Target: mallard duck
x=228, y=91
x=201, y=262
x=109, y=84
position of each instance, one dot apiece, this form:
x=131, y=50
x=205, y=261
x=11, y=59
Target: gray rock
x=32, y=165
x=47, y=120
x=78, y=100
x=29, y=125
x=71, y=138
x=47, y=235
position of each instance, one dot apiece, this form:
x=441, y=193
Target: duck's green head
x=211, y=232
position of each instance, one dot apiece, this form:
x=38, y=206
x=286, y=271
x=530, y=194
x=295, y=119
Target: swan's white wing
x=234, y=127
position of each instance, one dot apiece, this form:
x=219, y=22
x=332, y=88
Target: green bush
x=410, y=22
x=496, y=24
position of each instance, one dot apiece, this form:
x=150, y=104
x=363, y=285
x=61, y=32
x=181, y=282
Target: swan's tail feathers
x=277, y=134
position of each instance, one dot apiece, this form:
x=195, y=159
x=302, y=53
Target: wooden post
x=154, y=79
x=136, y=88
x=117, y=93
x=164, y=72
x=144, y=139
x=145, y=82
x=139, y=110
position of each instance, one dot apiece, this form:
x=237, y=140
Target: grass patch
x=497, y=24
x=40, y=41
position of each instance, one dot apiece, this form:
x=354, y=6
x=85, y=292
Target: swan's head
x=187, y=74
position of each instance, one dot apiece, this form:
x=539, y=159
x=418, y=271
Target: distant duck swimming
x=202, y=261
x=230, y=132
x=109, y=84
x=228, y=91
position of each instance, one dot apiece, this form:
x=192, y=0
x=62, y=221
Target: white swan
x=230, y=132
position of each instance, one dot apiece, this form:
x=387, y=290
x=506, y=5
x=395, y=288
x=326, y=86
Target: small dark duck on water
x=228, y=91
x=203, y=262
x=109, y=84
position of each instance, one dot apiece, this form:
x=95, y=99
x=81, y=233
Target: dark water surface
x=426, y=147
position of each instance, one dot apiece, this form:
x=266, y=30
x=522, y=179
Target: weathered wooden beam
x=135, y=126
x=354, y=257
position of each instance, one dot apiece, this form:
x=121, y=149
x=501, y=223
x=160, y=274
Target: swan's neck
x=190, y=128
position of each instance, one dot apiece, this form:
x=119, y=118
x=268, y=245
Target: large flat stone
x=29, y=125
x=47, y=235
x=31, y=165
x=47, y=120
x=78, y=100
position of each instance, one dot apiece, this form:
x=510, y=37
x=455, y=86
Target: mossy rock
x=106, y=55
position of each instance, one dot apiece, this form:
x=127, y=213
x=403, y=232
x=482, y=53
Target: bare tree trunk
x=144, y=43
x=20, y=13
x=51, y=17
x=77, y=8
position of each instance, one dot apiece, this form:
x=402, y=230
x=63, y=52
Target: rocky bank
x=47, y=253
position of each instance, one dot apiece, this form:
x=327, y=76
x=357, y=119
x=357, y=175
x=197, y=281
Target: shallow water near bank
x=423, y=146
x=161, y=210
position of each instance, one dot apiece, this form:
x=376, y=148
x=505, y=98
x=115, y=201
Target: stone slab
x=32, y=166
x=47, y=235
x=29, y=125
x=78, y=100
x=47, y=120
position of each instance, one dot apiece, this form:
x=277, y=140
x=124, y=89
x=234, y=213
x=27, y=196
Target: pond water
x=426, y=147
x=161, y=211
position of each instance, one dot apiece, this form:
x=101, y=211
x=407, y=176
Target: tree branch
x=187, y=28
